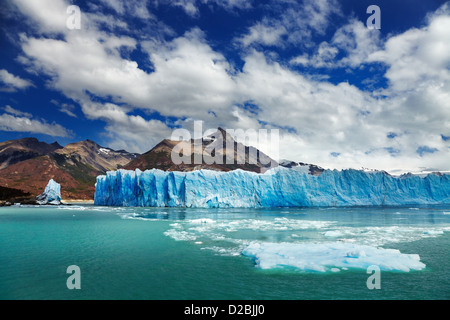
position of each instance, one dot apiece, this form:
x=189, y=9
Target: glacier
x=51, y=195
x=277, y=187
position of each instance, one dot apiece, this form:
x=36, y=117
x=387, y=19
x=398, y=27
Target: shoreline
x=76, y=201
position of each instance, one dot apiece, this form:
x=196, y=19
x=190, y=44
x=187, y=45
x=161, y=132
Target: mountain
x=90, y=153
x=14, y=151
x=75, y=167
x=159, y=157
x=312, y=169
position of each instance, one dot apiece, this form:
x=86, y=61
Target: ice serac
x=278, y=187
x=51, y=195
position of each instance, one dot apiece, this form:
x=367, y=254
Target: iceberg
x=277, y=187
x=323, y=257
x=51, y=195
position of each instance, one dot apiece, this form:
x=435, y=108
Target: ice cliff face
x=278, y=187
x=51, y=195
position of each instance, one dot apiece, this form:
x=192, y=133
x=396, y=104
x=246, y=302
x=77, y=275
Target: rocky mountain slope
x=14, y=151
x=159, y=157
x=75, y=167
x=91, y=154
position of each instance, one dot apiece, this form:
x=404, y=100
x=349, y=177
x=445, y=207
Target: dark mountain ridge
x=29, y=165
x=14, y=151
x=242, y=156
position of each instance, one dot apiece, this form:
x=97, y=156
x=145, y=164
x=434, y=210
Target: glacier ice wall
x=278, y=187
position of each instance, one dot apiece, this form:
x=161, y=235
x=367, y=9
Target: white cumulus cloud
x=9, y=122
x=12, y=83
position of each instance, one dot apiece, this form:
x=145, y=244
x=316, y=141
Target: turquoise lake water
x=177, y=254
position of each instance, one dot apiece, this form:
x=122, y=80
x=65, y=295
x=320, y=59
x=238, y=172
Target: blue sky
x=341, y=94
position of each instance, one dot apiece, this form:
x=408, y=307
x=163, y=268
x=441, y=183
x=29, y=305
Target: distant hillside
x=14, y=151
x=75, y=167
x=159, y=157
x=311, y=168
x=91, y=154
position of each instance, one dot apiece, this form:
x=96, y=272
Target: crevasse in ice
x=278, y=187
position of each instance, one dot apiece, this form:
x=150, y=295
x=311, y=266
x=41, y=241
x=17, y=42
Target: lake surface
x=224, y=254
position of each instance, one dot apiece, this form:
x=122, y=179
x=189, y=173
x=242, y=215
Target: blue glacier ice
x=278, y=187
x=334, y=256
x=51, y=195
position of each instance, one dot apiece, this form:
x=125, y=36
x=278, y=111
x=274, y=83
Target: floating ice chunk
x=51, y=195
x=201, y=221
x=76, y=208
x=333, y=234
x=330, y=256
x=433, y=232
x=180, y=235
